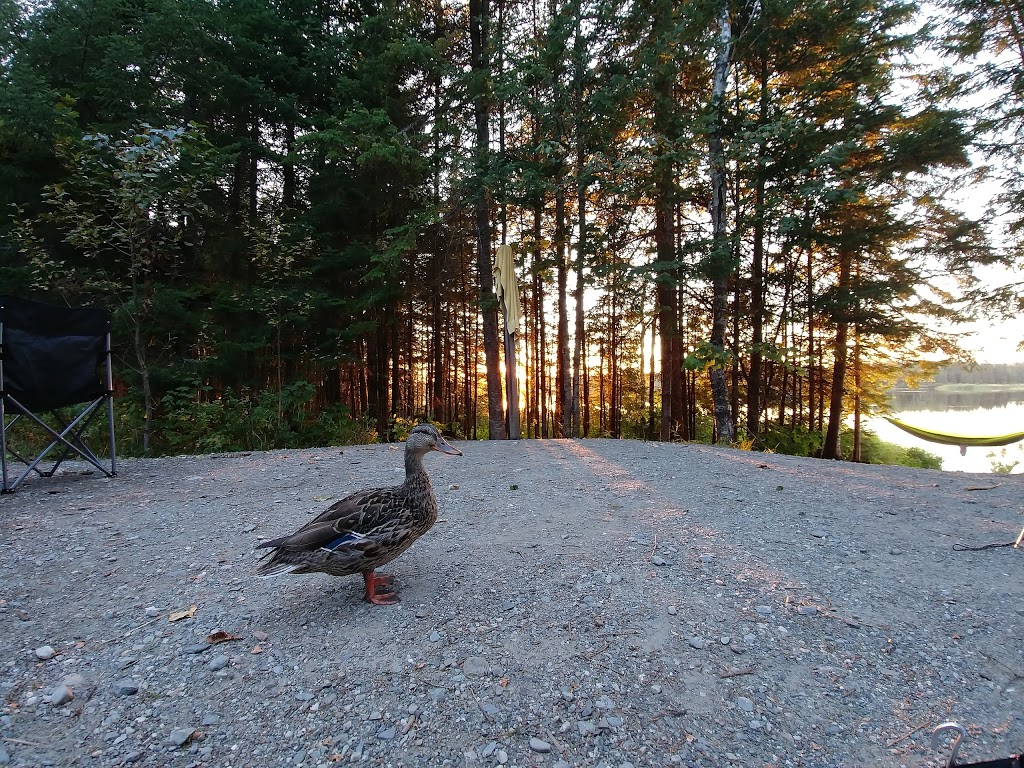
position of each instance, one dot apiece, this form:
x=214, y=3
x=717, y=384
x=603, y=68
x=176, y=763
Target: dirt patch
x=578, y=603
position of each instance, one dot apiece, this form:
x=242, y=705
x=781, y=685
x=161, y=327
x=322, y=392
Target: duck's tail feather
x=272, y=569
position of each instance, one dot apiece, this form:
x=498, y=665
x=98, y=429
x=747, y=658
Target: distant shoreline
x=963, y=389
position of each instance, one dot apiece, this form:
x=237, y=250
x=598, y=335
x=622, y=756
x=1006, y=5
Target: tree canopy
x=731, y=220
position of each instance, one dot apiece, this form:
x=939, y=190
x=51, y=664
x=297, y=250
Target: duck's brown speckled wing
x=357, y=533
x=360, y=513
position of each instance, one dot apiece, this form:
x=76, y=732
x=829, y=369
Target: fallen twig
x=908, y=734
x=736, y=673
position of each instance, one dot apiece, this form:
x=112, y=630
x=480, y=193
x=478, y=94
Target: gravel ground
x=595, y=603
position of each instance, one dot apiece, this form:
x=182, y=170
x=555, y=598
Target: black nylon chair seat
x=51, y=358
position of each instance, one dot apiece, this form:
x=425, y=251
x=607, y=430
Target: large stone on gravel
x=61, y=695
x=125, y=688
x=474, y=665
x=180, y=736
x=539, y=745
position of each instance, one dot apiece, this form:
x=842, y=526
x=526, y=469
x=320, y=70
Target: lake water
x=981, y=415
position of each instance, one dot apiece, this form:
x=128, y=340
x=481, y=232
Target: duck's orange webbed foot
x=378, y=589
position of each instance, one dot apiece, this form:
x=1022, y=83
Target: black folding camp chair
x=52, y=359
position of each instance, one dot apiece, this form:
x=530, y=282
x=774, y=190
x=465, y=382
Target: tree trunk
x=579, y=65
x=724, y=429
x=140, y=317
x=832, y=448
x=755, y=377
x=563, y=411
x=663, y=178
x=479, y=12
x=540, y=323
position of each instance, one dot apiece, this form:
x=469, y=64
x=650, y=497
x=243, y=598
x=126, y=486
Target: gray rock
x=501, y=756
x=474, y=665
x=180, y=736
x=764, y=610
x=61, y=695
x=659, y=561
x=696, y=642
x=74, y=680
x=5, y=757
x=303, y=696
x=745, y=704
x=196, y=648
x=211, y=718
x=539, y=745
x=132, y=757
x=819, y=534
x=807, y=610
x=218, y=662
x=125, y=688
x=488, y=750
x=387, y=734
x=586, y=727
x=152, y=611
x=45, y=652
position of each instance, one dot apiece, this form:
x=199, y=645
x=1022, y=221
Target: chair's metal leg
x=3, y=436
x=60, y=438
x=110, y=410
x=3, y=419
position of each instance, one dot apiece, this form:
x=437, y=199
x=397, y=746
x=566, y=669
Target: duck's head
x=425, y=437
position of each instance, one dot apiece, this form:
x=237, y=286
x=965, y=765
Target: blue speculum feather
x=345, y=538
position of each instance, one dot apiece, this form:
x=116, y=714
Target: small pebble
x=61, y=695
x=180, y=736
x=658, y=560
x=744, y=704
x=125, y=688
x=45, y=653
x=218, y=662
x=152, y=611
x=474, y=665
x=807, y=610
x=539, y=745
x=696, y=642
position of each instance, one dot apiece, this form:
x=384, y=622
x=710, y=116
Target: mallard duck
x=367, y=529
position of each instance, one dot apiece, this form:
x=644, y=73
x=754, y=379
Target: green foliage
x=876, y=451
x=795, y=441
x=1000, y=465
x=800, y=442
x=706, y=356
x=237, y=422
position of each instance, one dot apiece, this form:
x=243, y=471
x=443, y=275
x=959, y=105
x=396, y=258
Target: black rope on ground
x=963, y=548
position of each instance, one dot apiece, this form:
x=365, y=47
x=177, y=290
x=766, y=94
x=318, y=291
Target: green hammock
x=962, y=440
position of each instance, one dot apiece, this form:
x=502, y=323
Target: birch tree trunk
x=724, y=428
x=479, y=13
